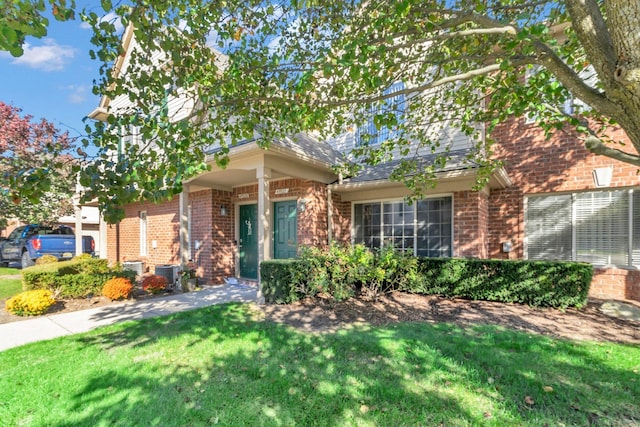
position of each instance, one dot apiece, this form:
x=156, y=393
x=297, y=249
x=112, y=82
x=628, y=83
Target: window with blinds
x=599, y=227
x=424, y=228
x=548, y=227
x=602, y=227
x=375, y=130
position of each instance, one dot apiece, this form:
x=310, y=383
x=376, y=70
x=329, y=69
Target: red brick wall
x=215, y=258
x=163, y=225
x=470, y=210
x=220, y=244
x=341, y=219
x=559, y=164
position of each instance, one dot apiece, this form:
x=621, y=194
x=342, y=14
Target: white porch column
x=78, y=231
x=264, y=217
x=185, y=247
x=329, y=216
x=103, y=237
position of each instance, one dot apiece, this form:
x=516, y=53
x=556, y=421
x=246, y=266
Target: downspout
x=329, y=217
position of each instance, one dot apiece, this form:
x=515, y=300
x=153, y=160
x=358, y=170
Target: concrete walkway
x=15, y=334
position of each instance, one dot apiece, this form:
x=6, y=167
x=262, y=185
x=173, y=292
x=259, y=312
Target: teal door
x=285, y=230
x=248, y=243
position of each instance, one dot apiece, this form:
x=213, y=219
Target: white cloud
x=109, y=17
x=49, y=57
x=77, y=93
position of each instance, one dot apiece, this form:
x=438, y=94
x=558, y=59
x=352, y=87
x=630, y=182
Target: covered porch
x=262, y=205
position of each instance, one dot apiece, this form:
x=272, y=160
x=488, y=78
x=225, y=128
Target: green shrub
x=535, y=283
x=343, y=271
x=46, y=259
x=76, y=278
x=279, y=279
x=390, y=270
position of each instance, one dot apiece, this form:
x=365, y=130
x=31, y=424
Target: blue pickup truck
x=27, y=243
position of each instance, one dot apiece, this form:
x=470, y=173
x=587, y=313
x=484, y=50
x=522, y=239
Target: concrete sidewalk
x=56, y=325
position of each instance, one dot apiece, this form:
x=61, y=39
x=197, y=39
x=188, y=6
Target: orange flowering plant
x=117, y=288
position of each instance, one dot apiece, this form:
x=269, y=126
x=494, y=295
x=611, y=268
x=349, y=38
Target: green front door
x=285, y=230
x=248, y=243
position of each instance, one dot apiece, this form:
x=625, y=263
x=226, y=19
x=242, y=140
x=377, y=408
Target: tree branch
x=596, y=146
x=572, y=81
x=591, y=29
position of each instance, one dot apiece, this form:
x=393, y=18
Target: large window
x=377, y=130
x=599, y=227
x=423, y=228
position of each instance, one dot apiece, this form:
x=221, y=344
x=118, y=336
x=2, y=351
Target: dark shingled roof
x=383, y=171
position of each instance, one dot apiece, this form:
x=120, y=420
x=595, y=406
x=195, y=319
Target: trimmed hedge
x=343, y=274
x=536, y=283
x=76, y=278
x=279, y=278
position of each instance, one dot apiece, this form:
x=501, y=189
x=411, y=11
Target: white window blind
x=548, y=227
x=602, y=227
x=635, y=243
x=599, y=227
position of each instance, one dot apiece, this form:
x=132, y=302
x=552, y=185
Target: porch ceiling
x=246, y=160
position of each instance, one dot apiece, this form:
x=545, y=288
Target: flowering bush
x=154, y=284
x=117, y=288
x=46, y=259
x=30, y=303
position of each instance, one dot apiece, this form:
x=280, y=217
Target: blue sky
x=54, y=77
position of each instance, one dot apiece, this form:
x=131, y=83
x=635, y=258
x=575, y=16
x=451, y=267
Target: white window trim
x=144, y=223
x=415, y=217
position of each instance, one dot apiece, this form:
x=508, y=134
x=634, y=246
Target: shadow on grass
x=224, y=365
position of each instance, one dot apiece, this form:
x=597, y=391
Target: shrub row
x=76, y=278
x=346, y=271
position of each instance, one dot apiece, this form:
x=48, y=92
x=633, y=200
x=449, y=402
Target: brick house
x=551, y=200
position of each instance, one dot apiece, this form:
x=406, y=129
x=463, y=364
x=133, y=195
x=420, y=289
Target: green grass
x=221, y=365
x=5, y=271
x=9, y=287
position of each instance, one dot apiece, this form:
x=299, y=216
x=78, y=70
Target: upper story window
x=383, y=117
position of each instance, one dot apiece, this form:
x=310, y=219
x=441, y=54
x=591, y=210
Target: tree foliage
x=36, y=176
x=281, y=67
x=19, y=19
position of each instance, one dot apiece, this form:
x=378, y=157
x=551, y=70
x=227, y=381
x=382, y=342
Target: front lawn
x=6, y=271
x=223, y=365
x=9, y=287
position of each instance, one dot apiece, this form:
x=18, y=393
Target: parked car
x=27, y=243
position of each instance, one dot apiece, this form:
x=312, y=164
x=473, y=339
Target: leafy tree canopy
x=36, y=179
x=19, y=19
x=287, y=66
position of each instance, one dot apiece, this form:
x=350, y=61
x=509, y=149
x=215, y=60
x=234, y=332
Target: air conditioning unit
x=169, y=272
x=137, y=266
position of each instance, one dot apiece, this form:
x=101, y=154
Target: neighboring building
x=551, y=200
